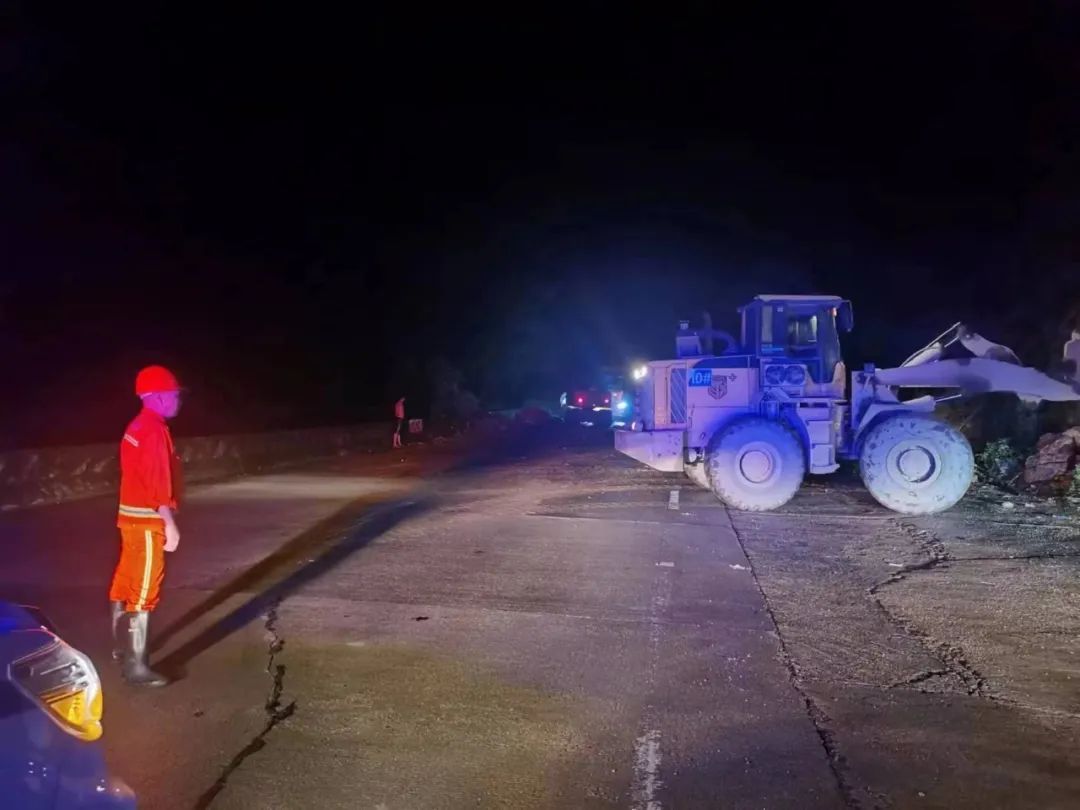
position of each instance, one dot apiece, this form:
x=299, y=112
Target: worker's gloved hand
x=172, y=537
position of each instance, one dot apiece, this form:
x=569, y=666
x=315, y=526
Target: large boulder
x=1049, y=469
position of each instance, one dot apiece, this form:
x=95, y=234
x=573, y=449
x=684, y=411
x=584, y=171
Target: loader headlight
x=795, y=375
x=782, y=374
x=774, y=375
x=641, y=372
x=64, y=683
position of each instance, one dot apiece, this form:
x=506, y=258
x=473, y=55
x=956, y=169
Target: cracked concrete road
x=544, y=625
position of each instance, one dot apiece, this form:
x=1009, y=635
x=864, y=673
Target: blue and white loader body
x=751, y=420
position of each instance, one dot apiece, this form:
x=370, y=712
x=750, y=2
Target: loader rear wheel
x=698, y=474
x=916, y=464
x=755, y=464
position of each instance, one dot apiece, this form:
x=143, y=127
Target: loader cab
x=800, y=328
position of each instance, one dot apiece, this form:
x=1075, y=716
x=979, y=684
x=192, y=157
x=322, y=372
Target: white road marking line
x=673, y=500
x=647, y=753
x=656, y=621
x=647, y=770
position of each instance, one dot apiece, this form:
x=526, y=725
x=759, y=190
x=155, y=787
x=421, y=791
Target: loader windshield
x=812, y=335
x=802, y=328
x=802, y=332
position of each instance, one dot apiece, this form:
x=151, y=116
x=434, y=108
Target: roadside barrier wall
x=57, y=474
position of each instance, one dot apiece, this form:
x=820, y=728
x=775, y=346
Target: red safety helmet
x=155, y=380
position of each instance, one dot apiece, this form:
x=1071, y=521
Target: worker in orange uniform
x=150, y=485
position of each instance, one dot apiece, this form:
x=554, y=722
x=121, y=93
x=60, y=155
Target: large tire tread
x=732, y=487
x=953, y=466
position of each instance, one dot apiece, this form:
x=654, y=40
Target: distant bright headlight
x=641, y=372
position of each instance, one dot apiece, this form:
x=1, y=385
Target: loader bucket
x=660, y=449
x=980, y=375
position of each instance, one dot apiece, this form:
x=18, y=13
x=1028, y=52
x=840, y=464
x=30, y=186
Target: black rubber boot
x=136, y=670
x=117, y=611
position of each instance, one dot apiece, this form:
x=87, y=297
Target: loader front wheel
x=916, y=464
x=755, y=464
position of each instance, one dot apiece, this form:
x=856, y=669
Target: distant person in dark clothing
x=399, y=416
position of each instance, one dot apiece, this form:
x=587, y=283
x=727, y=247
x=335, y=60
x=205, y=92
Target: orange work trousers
x=138, y=576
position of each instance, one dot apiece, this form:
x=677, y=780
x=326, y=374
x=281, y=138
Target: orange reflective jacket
x=149, y=471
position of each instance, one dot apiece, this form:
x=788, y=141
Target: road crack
x=816, y=714
x=272, y=707
x=1011, y=557
x=952, y=656
x=919, y=677
x=928, y=544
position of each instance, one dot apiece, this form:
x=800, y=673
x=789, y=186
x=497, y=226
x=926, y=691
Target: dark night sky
x=292, y=206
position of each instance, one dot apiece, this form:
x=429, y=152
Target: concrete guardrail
x=54, y=475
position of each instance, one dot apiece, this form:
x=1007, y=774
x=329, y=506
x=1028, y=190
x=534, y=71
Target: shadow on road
x=350, y=530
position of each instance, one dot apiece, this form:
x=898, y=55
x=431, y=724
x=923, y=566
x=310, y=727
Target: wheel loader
x=749, y=418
